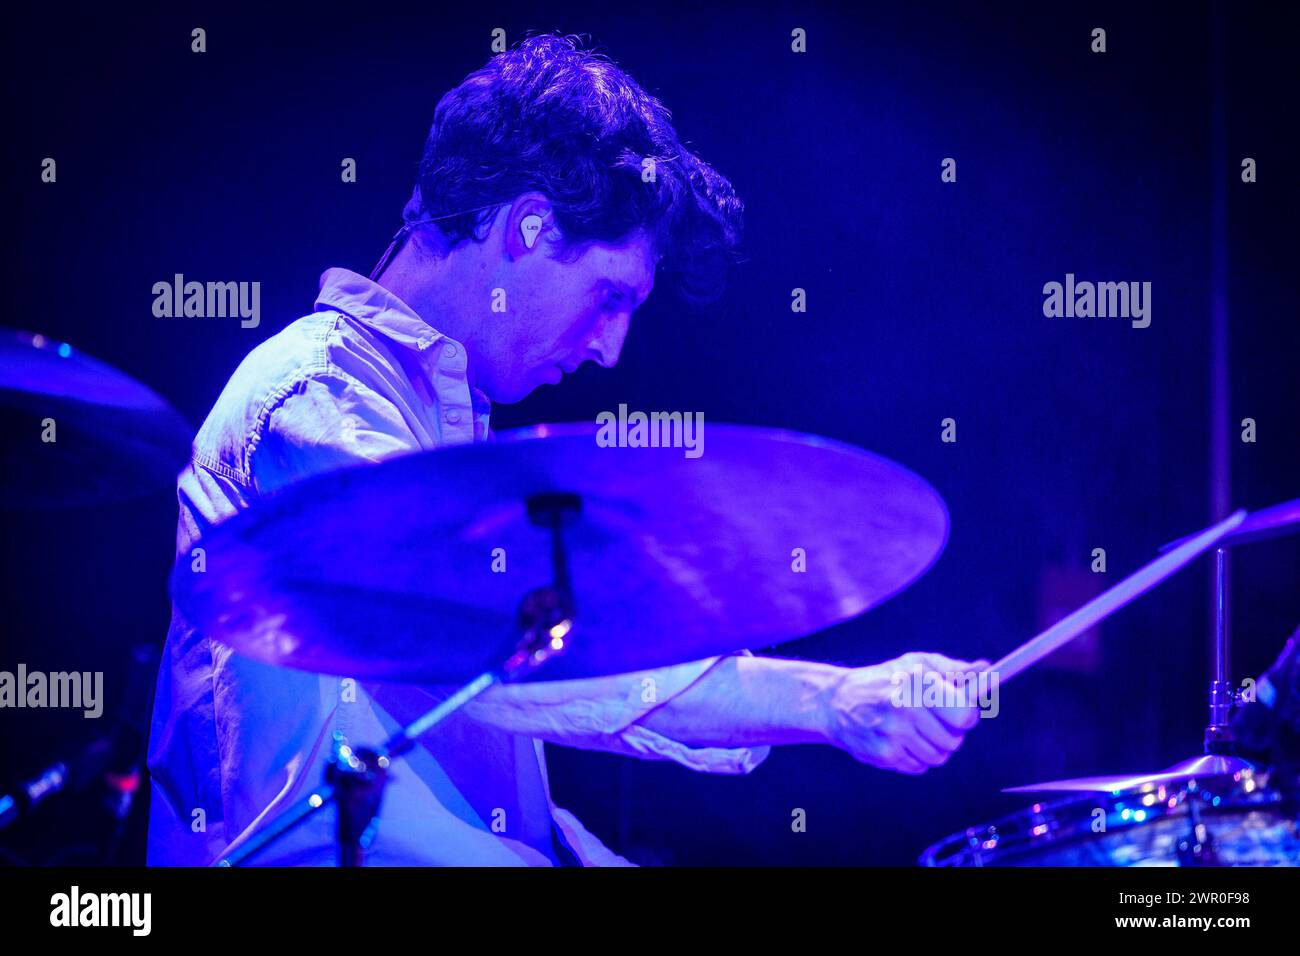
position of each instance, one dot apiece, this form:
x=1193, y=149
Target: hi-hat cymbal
x=413, y=570
x=112, y=437
x=1202, y=766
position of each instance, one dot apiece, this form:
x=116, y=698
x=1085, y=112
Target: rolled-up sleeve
x=606, y=713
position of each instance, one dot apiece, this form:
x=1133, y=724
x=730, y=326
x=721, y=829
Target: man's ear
x=530, y=224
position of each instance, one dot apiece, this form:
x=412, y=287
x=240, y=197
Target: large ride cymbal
x=113, y=438
x=387, y=572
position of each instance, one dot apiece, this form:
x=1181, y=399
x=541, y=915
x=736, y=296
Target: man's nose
x=606, y=347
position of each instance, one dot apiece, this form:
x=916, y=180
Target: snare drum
x=1217, y=822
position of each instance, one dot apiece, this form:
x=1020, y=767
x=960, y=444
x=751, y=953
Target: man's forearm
x=737, y=702
x=749, y=702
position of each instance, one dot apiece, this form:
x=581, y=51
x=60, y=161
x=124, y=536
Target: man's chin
x=514, y=394
x=511, y=391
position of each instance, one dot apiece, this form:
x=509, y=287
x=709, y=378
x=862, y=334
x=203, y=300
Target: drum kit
x=544, y=556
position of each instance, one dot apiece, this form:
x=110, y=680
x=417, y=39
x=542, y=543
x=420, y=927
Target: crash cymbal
x=113, y=437
x=413, y=570
x=1272, y=522
x=1202, y=766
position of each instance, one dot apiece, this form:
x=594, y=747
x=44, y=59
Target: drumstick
x=1108, y=602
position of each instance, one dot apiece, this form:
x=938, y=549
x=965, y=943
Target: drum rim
x=1013, y=837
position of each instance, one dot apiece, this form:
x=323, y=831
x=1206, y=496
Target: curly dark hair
x=567, y=122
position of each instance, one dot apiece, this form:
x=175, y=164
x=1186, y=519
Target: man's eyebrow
x=623, y=289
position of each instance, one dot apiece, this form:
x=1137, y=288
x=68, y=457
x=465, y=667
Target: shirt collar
x=378, y=308
x=372, y=304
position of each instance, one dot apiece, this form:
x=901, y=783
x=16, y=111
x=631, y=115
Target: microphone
x=88, y=765
x=112, y=758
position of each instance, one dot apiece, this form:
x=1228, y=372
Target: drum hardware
x=1197, y=849
x=1223, y=812
x=1219, y=758
x=355, y=779
x=1222, y=696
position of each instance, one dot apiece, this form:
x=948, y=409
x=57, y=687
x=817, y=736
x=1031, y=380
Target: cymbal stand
x=355, y=779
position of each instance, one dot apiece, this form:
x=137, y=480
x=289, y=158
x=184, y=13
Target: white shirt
x=234, y=741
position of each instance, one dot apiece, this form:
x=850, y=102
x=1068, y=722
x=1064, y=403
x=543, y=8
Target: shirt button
x=453, y=416
x=449, y=351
